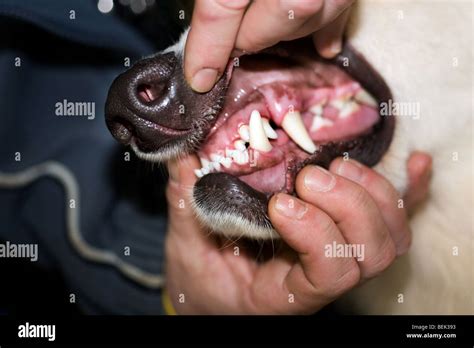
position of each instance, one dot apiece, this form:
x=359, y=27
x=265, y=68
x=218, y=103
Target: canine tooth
x=258, y=138
x=226, y=162
x=269, y=131
x=198, y=173
x=205, y=170
x=319, y=122
x=364, y=97
x=244, y=133
x=348, y=109
x=293, y=125
x=240, y=145
x=215, y=157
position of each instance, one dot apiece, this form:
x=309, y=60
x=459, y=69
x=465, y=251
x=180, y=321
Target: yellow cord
x=167, y=304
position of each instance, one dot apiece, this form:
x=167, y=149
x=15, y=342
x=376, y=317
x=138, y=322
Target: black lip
x=367, y=149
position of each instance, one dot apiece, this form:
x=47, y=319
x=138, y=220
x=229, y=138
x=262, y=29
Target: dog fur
x=423, y=49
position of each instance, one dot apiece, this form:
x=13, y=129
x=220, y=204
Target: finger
x=329, y=12
x=179, y=194
x=267, y=22
x=355, y=213
x=384, y=195
x=211, y=39
x=328, y=40
x=419, y=168
x=316, y=279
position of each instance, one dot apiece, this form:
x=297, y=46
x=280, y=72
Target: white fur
x=178, y=47
x=233, y=225
x=415, y=55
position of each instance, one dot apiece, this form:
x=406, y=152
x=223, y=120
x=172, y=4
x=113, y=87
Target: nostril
x=148, y=93
x=121, y=130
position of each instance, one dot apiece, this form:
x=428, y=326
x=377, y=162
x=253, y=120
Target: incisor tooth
x=198, y=173
x=226, y=162
x=269, y=131
x=204, y=162
x=216, y=166
x=365, y=98
x=244, y=133
x=258, y=138
x=215, y=157
x=293, y=125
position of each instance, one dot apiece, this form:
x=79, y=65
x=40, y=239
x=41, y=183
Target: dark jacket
x=46, y=57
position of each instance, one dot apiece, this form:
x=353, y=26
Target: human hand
x=218, y=27
x=357, y=206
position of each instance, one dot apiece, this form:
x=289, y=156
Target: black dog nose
x=151, y=104
x=142, y=103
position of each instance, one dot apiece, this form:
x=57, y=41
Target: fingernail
x=350, y=169
x=204, y=80
x=290, y=206
x=319, y=179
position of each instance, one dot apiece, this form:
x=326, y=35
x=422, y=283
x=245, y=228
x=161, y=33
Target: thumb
x=179, y=192
x=182, y=222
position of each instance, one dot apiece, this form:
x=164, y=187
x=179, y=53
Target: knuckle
x=388, y=196
x=324, y=224
x=382, y=261
x=360, y=199
x=348, y=279
x=302, y=8
x=405, y=244
x=232, y=5
x=250, y=41
x=219, y=9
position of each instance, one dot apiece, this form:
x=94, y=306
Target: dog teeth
x=244, y=133
x=229, y=152
x=215, y=157
x=364, y=97
x=226, y=162
x=339, y=104
x=269, y=131
x=348, y=109
x=316, y=109
x=320, y=122
x=258, y=138
x=241, y=157
x=198, y=173
x=240, y=145
x=293, y=125
x=216, y=166
x=204, y=162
